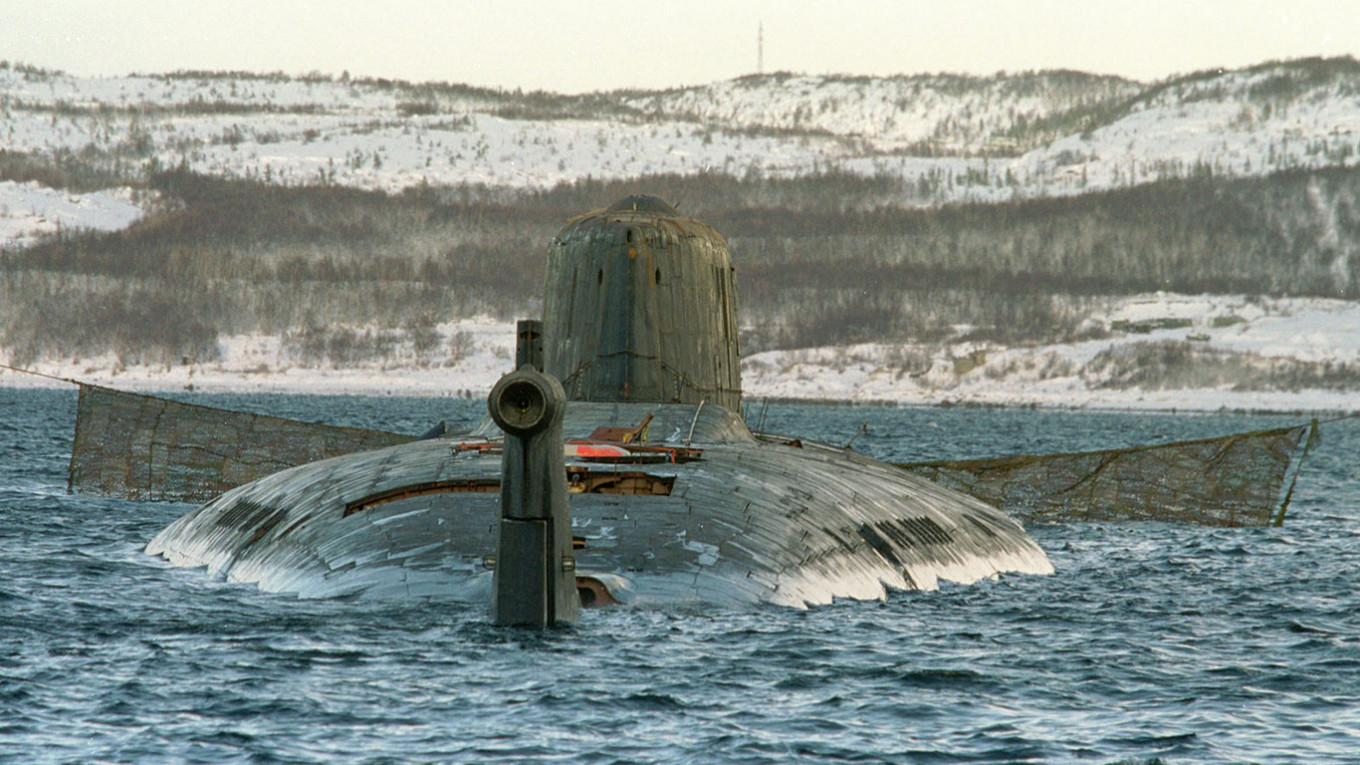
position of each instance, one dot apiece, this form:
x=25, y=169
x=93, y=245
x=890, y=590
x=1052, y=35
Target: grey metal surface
x=642, y=307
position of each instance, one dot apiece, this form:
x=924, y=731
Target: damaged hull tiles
x=705, y=513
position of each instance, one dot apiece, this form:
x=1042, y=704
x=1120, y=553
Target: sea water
x=1152, y=643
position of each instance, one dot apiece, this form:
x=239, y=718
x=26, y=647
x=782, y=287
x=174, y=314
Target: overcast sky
x=605, y=44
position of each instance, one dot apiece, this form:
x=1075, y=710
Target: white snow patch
x=29, y=211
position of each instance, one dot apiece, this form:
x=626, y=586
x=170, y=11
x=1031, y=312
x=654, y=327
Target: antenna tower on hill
x=760, y=48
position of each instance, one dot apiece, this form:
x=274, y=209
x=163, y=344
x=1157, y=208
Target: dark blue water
x=1153, y=643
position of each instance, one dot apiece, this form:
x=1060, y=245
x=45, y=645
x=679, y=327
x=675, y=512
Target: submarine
x=663, y=495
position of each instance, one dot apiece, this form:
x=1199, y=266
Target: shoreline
x=415, y=383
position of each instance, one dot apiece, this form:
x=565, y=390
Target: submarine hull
x=672, y=497
x=701, y=512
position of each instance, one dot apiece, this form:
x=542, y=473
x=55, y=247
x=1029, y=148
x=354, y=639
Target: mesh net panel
x=142, y=447
x=1240, y=480
x=133, y=446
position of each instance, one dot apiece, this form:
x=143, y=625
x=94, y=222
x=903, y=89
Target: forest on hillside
x=821, y=259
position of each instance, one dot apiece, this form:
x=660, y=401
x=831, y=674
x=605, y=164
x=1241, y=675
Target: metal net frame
x=141, y=447
x=134, y=446
x=1243, y=479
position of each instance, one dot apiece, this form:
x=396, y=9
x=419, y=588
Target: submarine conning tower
x=640, y=306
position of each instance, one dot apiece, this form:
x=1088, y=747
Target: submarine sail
x=641, y=306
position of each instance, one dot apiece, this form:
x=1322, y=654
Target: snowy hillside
x=923, y=114
x=29, y=211
x=77, y=152
x=1186, y=352
x=956, y=138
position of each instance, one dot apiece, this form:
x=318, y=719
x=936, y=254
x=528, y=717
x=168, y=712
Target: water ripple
x=1152, y=644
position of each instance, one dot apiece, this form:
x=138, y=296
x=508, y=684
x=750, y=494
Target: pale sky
x=573, y=47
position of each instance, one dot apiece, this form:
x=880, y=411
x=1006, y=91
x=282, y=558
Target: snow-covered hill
x=922, y=114
x=955, y=138
x=952, y=138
